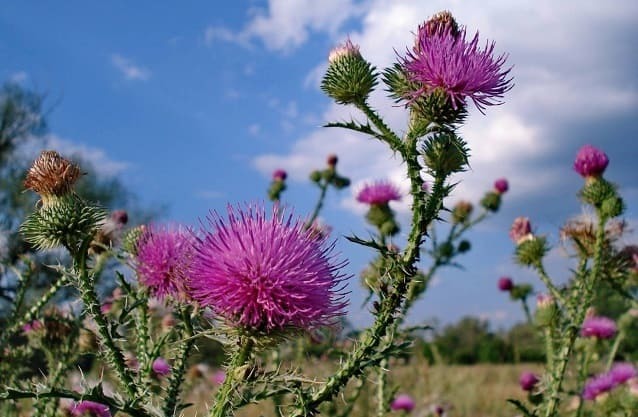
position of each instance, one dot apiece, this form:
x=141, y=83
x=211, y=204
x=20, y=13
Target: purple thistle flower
x=521, y=230
x=279, y=175
x=590, y=161
x=528, y=381
x=378, y=192
x=218, y=377
x=266, y=273
x=162, y=256
x=599, y=327
x=402, y=402
x=501, y=185
x=90, y=409
x=445, y=60
x=598, y=385
x=623, y=372
x=32, y=326
x=505, y=284
x=161, y=367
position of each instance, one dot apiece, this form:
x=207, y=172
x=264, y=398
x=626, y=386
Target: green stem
x=141, y=324
x=315, y=213
x=555, y=292
x=549, y=347
x=223, y=400
x=382, y=379
x=583, y=371
x=528, y=314
x=179, y=367
x=614, y=349
x=113, y=354
x=391, y=138
x=567, y=344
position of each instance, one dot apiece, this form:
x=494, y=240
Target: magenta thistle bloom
x=505, y=284
x=521, y=230
x=590, y=161
x=528, y=381
x=445, y=60
x=501, y=185
x=266, y=273
x=623, y=372
x=161, y=367
x=378, y=192
x=163, y=254
x=32, y=326
x=279, y=175
x=598, y=385
x=90, y=409
x=218, y=377
x=598, y=327
x=402, y=402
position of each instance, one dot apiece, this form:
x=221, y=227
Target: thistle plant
x=255, y=277
x=578, y=340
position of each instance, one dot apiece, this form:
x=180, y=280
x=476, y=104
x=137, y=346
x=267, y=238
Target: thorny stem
x=89, y=297
x=179, y=367
x=528, y=314
x=141, y=324
x=583, y=370
x=391, y=138
x=382, y=380
x=540, y=268
x=223, y=400
x=567, y=344
x=614, y=350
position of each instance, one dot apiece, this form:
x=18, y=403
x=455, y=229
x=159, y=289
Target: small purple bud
x=279, y=175
x=402, y=402
x=505, y=284
x=528, y=381
x=161, y=367
x=521, y=230
x=501, y=185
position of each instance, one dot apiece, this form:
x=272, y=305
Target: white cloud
x=129, y=70
x=18, y=77
x=286, y=25
x=98, y=158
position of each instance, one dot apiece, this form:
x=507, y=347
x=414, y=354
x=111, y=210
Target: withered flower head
x=52, y=175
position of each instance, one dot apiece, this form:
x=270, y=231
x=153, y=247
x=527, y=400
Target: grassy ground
x=465, y=391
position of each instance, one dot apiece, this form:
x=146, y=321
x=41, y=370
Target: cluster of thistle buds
x=329, y=175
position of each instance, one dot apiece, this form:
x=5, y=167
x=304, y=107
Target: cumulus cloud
x=98, y=158
x=128, y=69
x=286, y=25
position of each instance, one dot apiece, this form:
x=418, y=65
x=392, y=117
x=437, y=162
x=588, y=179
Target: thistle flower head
x=528, y=381
x=438, y=25
x=462, y=211
x=590, y=162
x=599, y=327
x=163, y=254
x=505, y=284
x=332, y=160
x=402, y=402
x=378, y=192
x=349, y=78
x=266, y=274
x=501, y=185
x=544, y=301
x=90, y=409
x=161, y=367
x=51, y=175
x=443, y=60
x=598, y=385
x=521, y=230
x=623, y=372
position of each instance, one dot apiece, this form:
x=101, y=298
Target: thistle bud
x=349, y=78
x=445, y=153
x=131, y=239
x=545, y=310
x=461, y=212
x=520, y=291
x=590, y=162
x=464, y=246
x=278, y=185
x=315, y=176
x=501, y=185
x=531, y=252
x=521, y=230
x=332, y=160
x=491, y=201
x=340, y=182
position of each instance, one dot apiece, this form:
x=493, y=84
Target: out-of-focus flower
x=90, y=409
x=402, y=402
x=279, y=175
x=505, y=284
x=528, y=381
x=623, y=372
x=590, y=162
x=32, y=326
x=521, y=230
x=599, y=327
x=161, y=367
x=163, y=254
x=378, y=192
x=218, y=377
x=598, y=385
x=266, y=273
x=501, y=185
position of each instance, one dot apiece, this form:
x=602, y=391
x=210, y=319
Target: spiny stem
x=223, y=400
x=391, y=138
x=528, y=314
x=540, y=268
x=323, y=186
x=179, y=367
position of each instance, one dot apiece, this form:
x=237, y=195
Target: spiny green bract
x=66, y=223
x=445, y=153
x=349, y=79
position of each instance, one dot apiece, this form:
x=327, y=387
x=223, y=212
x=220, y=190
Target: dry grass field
x=465, y=391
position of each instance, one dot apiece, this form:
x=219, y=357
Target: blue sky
x=195, y=106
